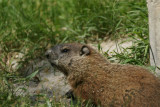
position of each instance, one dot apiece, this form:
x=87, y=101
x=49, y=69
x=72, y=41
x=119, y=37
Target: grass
x=29, y=27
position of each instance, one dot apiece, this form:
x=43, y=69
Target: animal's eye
x=64, y=50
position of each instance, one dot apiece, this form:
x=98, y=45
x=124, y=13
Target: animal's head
x=64, y=55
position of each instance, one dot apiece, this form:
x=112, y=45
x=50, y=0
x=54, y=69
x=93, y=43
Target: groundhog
x=95, y=79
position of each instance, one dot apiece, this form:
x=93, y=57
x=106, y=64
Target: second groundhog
x=93, y=78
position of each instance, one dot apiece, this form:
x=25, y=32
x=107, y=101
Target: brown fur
x=93, y=78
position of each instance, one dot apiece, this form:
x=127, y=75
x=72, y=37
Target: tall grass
x=30, y=26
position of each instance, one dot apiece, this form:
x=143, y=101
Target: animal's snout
x=51, y=55
x=48, y=54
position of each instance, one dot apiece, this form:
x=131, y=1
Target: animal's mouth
x=55, y=64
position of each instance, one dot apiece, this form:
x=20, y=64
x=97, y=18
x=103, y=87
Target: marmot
x=93, y=78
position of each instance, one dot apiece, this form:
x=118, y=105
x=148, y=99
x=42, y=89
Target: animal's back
x=121, y=85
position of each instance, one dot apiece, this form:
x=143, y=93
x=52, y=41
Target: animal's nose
x=48, y=53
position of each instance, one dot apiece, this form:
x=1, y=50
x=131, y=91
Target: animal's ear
x=84, y=50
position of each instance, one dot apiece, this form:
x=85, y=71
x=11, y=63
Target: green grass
x=30, y=26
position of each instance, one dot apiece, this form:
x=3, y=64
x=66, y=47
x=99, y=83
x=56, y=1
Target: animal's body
x=93, y=78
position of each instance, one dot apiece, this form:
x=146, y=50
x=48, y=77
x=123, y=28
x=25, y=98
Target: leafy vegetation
x=28, y=27
x=137, y=54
